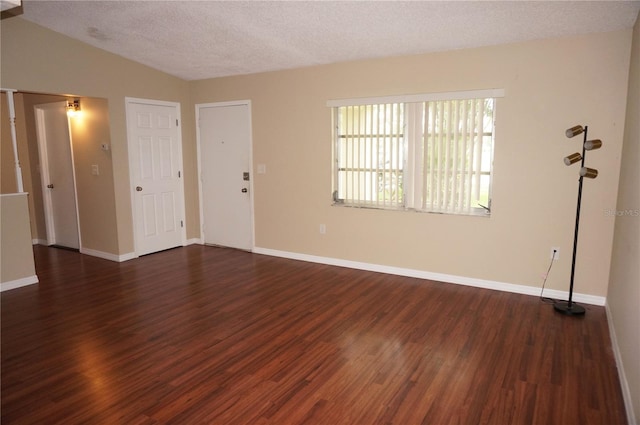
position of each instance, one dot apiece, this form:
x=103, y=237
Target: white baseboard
x=440, y=277
x=123, y=257
x=577, y=297
x=108, y=255
x=96, y=253
x=126, y=257
x=18, y=283
x=624, y=384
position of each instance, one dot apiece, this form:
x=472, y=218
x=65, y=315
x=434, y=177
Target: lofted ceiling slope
x=204, y=39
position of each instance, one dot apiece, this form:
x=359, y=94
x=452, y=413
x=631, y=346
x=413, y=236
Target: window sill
x=476, y=212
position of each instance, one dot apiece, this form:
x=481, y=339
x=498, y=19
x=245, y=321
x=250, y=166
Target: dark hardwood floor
x=203, y=335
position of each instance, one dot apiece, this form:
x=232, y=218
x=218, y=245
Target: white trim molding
x=411, y=98
x=108, y=256
x=624, y=383
x=439, y=277
x=18, y=283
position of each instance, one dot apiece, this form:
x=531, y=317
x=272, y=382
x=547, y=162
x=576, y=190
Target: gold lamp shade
x=574, y=131
x=592, y=145
x=572, y=159
x=590, y=173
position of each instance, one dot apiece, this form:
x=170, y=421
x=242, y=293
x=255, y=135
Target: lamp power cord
x=544, y=282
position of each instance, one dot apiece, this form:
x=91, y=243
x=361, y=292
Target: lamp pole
x=569, y=307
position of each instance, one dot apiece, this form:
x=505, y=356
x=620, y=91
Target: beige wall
x=16, y=259
x=550, y=85
x=623, y=297
x=38, y=60
x=89, y=130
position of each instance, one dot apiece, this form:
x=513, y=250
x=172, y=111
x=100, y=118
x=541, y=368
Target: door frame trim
x=182, y=205
x=44, y=171
x=198, y=107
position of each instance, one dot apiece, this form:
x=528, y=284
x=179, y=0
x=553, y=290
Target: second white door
x=224, y=142
x=56, y=171
x=155, y=150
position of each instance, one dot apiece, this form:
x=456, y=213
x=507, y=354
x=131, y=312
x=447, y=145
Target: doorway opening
x=91, y=167
x=57, y=175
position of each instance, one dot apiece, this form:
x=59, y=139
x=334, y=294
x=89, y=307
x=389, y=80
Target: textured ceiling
x=203, y=39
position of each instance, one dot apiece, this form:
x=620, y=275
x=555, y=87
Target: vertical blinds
x=371, y=154
x=456, y=135
x=433, y=155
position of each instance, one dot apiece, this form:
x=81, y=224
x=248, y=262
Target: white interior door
x=57, y=175
x=155, y=154
x=224, y=143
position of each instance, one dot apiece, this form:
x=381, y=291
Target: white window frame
x=413, y=126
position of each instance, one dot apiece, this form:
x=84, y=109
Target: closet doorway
x=57, y=175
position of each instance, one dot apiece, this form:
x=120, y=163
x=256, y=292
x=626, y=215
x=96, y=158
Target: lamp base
x=564, y=308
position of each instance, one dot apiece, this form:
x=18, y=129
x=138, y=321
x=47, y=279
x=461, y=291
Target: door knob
x=244, y=190
x=50, y=186
x=139, y=188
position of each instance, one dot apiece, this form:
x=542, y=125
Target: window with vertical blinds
x=429, y=153
x=370, y=155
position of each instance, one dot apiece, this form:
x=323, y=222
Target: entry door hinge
x=176, y=122
x=181, y=223
x=179, y=174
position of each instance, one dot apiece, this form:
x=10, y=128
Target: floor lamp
x=569, y=307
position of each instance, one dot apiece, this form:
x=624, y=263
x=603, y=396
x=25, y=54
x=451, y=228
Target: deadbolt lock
x=245, y=176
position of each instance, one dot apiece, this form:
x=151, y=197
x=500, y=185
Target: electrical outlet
x=555, y=253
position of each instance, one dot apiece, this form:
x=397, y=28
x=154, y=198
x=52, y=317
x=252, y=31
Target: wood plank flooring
x=203, y=335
